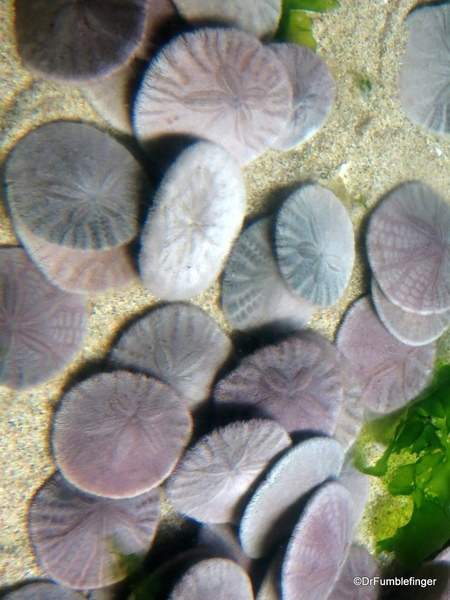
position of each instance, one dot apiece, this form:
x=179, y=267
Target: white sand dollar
x=198, y=212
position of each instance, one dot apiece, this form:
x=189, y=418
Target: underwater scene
x=224, y=299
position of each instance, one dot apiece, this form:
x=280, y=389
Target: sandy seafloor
x=366, y=147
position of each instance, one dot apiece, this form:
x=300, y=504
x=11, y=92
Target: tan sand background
x=366, y=147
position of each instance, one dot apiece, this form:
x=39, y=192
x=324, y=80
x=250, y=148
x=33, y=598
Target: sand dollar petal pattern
x=216, y=578
x=410, y=328
x=74, y=185
x=41, y=327
x=294, y=382
x=253, y=291
x=314, y=93
x=220, y=84
x=198, y=212
x=258, y=17
x=408, y=244
x=220, y=469
x=425, y=68
x=179, y=344
x=390, y=372
x=78, y=538
x=268, y=516
x=68, y=40
x=315, y=244
x=319, y=545
x=119, y=434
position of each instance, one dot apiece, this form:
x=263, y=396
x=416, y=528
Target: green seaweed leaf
x=298, y=29
x=322, y=6
x=422, y=432
x=296, y=26
x=426, y=532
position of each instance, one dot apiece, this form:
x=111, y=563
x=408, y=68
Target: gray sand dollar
x=425, y=68
x=74, y=185
x=253, y=291
x=315, y=245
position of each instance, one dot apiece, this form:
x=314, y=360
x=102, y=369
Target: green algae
x=416, y=464
x=296, y=26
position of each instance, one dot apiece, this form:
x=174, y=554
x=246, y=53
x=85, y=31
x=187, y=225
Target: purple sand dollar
x=315, y=245
x=410, y=328
x=408, y=244
x=319, y=545
x=215, y=578
x=359, y=565
x=215, y=474
x=74, y=185
x=179, y=344
x=220, y=84
x=350, y=417
x=314, y=93
x=78, y=538
x=112, y=95
x=119, y=434
x=390, y=372
x=268, y=516
x=253, y=293
x=79, y=271
x=295, y=382
x=41, y=327
x=69, y=40
x=198, y=212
